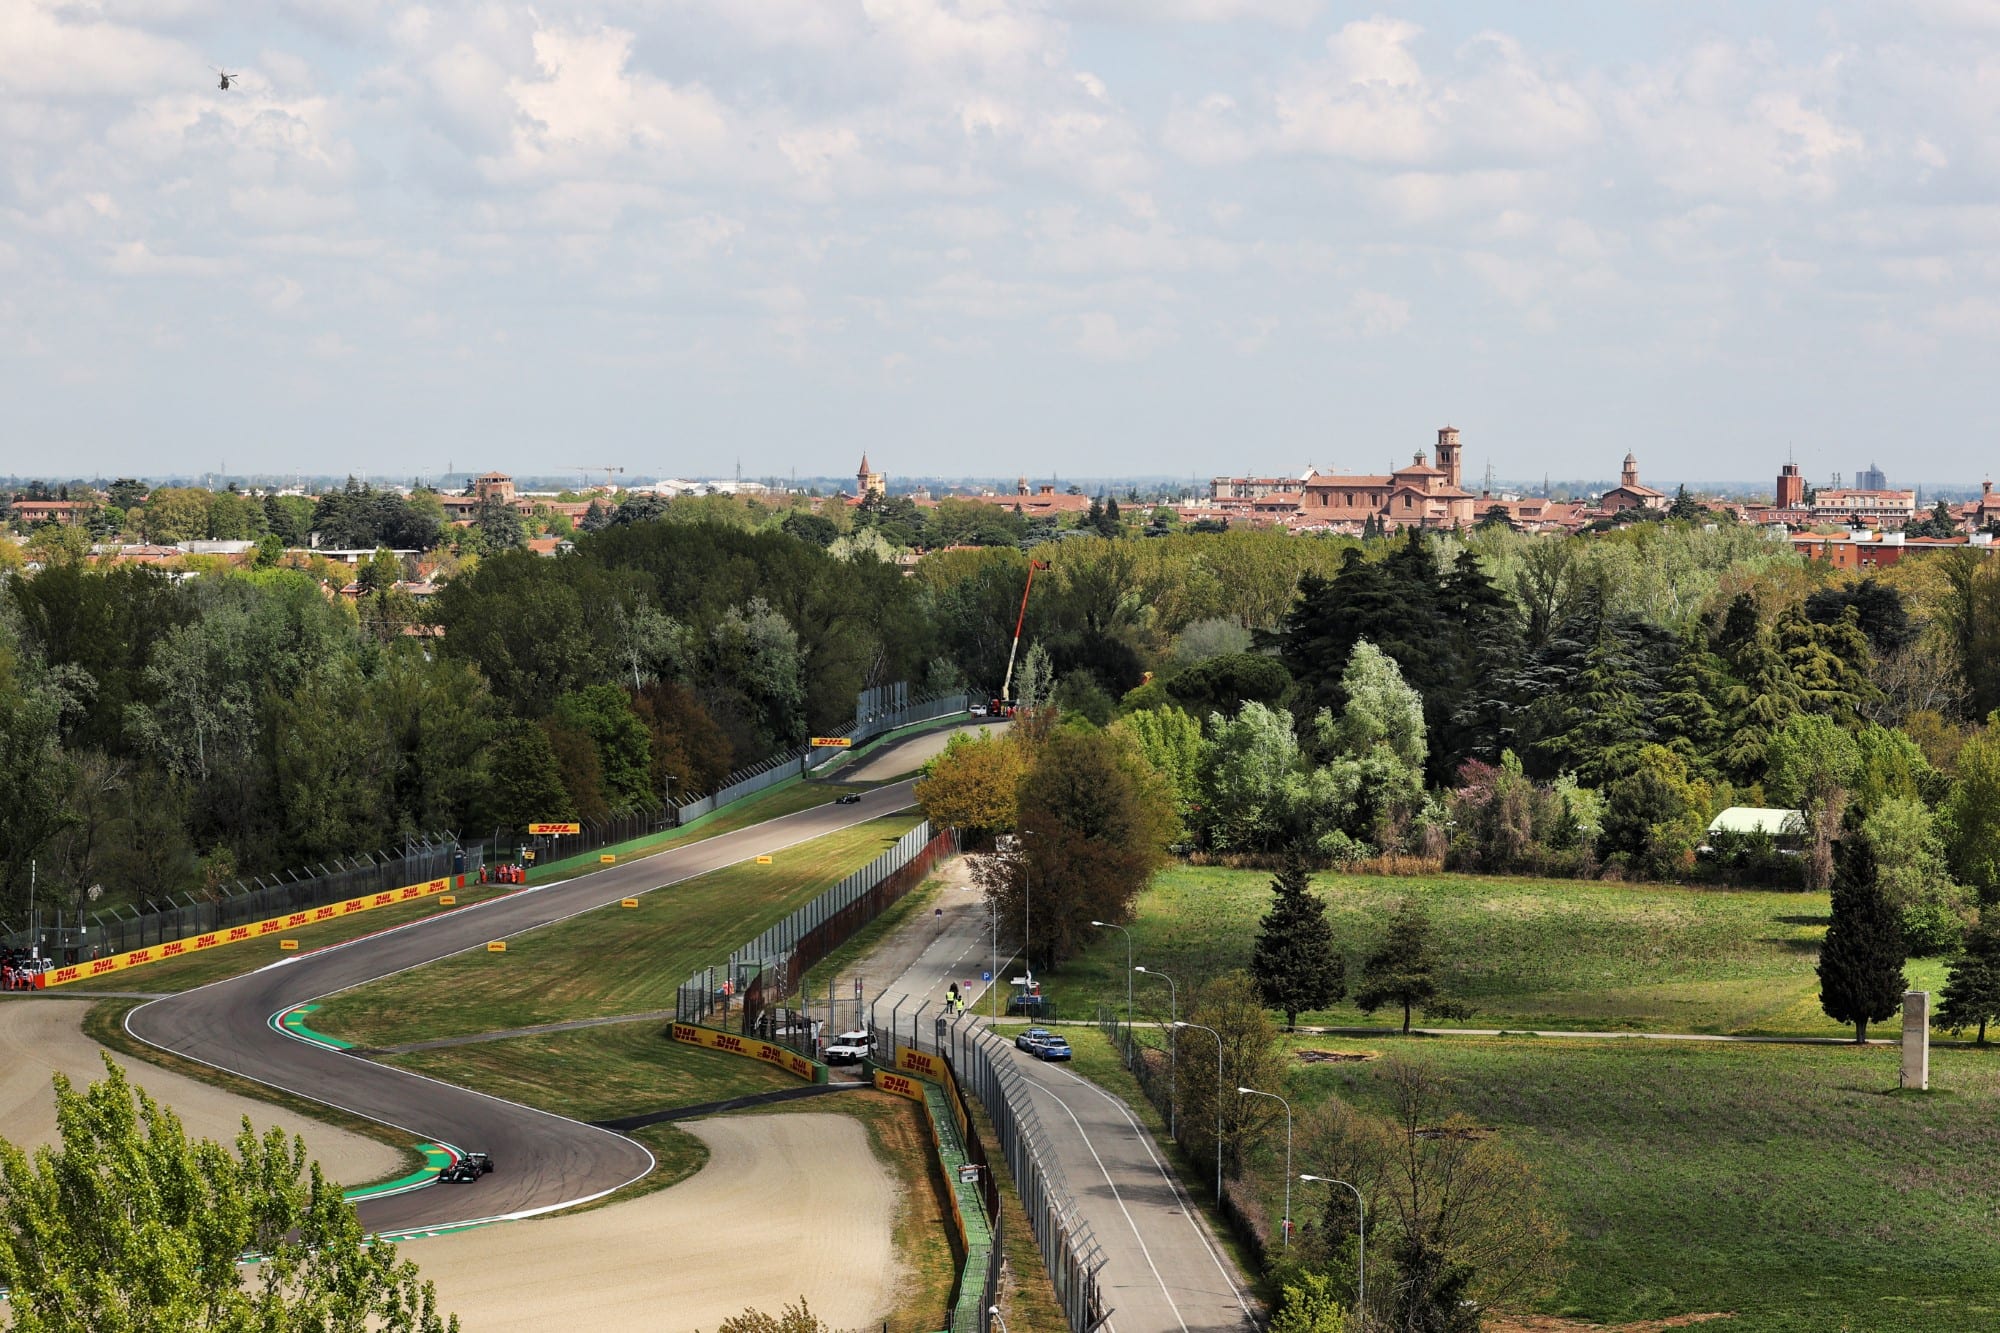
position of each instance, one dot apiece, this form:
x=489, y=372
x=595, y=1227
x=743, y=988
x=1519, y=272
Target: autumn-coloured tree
x=974, y=784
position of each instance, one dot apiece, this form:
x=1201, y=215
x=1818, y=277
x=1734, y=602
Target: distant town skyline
x=999, y=237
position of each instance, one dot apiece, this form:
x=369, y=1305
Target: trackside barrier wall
x=769, y=1052
x=63, y=976
x=975, y=1201
x=245, y=902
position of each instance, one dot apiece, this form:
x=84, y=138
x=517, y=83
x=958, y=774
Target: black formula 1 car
x=467, y=1169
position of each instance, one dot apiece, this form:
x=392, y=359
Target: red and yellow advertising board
x=831, y=742
x=555, y=828
x=896, y=1083
x=118, y=962
x=769, y=1052
x=920, y=1063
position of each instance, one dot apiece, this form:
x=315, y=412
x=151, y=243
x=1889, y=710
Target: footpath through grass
x=1523, y=953
x=606, y=962
x=1794, y=1186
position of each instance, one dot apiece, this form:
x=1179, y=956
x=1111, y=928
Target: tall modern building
x=1870, y=478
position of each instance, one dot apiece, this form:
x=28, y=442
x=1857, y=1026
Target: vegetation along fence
x=79, y=935
x=769, y=967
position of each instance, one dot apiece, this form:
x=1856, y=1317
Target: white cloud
x=1102, y=336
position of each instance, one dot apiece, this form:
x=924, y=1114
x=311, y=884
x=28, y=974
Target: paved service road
x=542, y=1162
x=1163, y=1271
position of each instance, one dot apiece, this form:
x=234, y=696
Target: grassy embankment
x=1791, y=1185
x=605, y=962
x=1523, y=953
x=1794, y=1186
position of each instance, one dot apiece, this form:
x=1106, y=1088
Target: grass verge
x=1523, y=953
x=1791, y=1185
x=1027, y=1295
x=597, y=1073
x=606, y=962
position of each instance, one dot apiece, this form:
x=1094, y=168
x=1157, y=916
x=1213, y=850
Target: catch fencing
x=69, y=938
x=877, y=711
x=1069, y=1250
x=763, y=972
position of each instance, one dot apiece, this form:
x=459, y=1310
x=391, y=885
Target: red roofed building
x=1417, y=496
x=1629, y=494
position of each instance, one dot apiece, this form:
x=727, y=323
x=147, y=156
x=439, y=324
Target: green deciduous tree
x=1251, y=1057
x=1972, y=815
x=1293, y=960
x=1861, y=962
x=974, y=784
x=1309, y=1306
x=1655, y=815
x=1403, y=968
x=1095, y=819
x=524, y=784
x=131, y=1225
x=624, y=750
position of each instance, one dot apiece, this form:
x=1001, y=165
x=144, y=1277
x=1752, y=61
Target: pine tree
x=1861, y=963
x=1971, y=997
x=1403, y=970
x=1293, y=962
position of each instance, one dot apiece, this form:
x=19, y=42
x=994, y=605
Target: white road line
x=1106, y=1173
x=1187, y=1205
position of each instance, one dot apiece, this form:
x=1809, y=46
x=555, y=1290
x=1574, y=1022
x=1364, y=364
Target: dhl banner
x=921, y=1064
x=118, y=962
x=555, y=828
x=771, y=1054
x=896, y=1083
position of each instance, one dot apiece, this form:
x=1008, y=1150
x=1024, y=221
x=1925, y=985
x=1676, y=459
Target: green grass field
x=1793, y=1186
x=606, y=962
x=1523, y=953
x=597, y=1073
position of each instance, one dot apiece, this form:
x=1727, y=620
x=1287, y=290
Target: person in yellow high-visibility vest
x=952, y=1002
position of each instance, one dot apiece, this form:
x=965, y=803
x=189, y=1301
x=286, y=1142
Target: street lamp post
x=993, y=1311
x=1028, y=908
x=1106, y=925
x=1252, y=1092
x=1173, y=1052
x=1218, y=1101
x=1361, y=1284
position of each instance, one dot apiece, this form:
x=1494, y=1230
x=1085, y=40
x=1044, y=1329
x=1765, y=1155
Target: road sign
x=831, y=742
x=984, y=975
x=555, y=828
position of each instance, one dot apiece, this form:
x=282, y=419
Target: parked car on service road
x=850, y=1048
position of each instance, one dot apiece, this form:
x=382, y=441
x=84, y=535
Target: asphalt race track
x=542, y=1162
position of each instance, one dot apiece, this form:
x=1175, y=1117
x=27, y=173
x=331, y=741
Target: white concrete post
x=1917, y=1039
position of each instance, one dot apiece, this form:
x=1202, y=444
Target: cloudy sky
x=999, y=236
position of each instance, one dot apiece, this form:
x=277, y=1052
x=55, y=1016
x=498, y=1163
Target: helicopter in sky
x=226, y=77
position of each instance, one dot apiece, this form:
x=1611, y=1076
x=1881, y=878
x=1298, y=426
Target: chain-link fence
x=79, y=935
x=1069, y=1250
x=753, y=986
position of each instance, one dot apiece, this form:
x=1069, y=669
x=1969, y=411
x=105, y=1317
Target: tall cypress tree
x=1293, y=962
x=1971, y=997
x=1403, y=970
x=1861, y=963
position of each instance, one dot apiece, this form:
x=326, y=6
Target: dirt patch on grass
x=1501, y=1323
x=1336, y=1057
